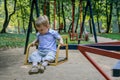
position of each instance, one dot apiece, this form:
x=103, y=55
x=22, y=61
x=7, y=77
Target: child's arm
x=35, y=41
x=61, y=41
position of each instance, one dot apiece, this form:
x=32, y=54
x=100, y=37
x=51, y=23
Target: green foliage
x=21, y=17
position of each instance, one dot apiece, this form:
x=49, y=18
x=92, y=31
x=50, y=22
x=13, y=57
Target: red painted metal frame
x=83, y=49
x=110, y=43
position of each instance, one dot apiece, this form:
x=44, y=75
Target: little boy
x=46, y=39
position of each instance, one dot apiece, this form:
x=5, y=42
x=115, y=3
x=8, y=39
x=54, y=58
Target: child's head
x=42, y=24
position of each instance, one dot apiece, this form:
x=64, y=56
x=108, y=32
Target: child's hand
x=62, y=44
x=33, y=43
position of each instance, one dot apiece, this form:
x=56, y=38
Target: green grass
x=111, y=35
x=9, y=40
x=13, y=40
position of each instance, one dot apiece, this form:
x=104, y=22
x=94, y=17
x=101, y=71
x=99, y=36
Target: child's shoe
x=34, y=70
x=42, y=68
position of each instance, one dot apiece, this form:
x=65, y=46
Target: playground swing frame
x=108, y=49
x=58, y=60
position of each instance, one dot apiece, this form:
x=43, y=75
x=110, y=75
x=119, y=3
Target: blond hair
x=42, y=20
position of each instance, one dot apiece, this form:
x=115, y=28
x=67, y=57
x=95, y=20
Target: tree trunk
x=48, y=9
x=118, y=15
x=59, y=12
x=109, y=18
x=54, y=26
x=98, y=23
x=90, y=25
x=18, y=26
x=78, y=16
x=45, y=5
x=24, y=26
x=98, y=19
x=59, y=15
x=63, y=13
x=70, y=27
x=7, y=17
x=73, y=16
x=106, y=16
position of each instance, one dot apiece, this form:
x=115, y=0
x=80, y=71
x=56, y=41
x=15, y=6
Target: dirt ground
x=76, y=68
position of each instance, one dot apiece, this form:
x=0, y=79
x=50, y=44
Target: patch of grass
x=9, y=40
x=13, y=40
x=111, y=35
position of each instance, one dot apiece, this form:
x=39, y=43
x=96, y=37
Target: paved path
x=102, y=39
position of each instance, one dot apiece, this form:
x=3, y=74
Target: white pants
x=42, y=55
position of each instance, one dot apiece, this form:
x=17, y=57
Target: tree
x=63, y=13
x=7, y=16
x=109, y=16
x=117, y=3
x=98, y=16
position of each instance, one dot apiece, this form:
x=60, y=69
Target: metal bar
x=95, y=64
x=107, y=47
x=114, y=43
x=91, y=16
x=29, y=26
x=37, y=8
x=102, y=52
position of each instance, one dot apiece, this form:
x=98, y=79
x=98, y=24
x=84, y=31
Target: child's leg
x=35, y=58
x=50, y=57
x=45, y=63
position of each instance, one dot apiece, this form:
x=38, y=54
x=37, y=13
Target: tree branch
x=13, y=10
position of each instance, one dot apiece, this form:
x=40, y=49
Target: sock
x=35, y=64
x=45, y=63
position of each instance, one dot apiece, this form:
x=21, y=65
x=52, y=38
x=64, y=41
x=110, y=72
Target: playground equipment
x=103, y=49
x=83, y=35
x=116, y=69
x=91, y=16
x=58, y=59
x=93, y=48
